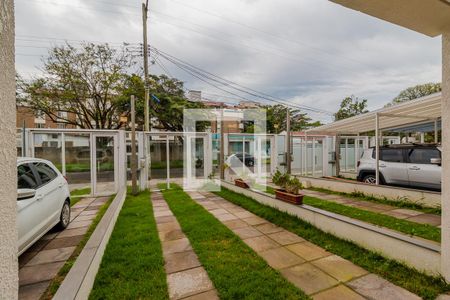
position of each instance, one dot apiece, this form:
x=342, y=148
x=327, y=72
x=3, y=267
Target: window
x=25, y=177
x=61, y=125
x=46, y=173
x=423, y=156
x=392, y=155
x=39, y=125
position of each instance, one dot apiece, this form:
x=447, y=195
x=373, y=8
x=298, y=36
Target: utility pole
x=222, y=146
x=145, y=46
x=133, y=148
x=288, y=141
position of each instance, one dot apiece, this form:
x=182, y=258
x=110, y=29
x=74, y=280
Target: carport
x=431, y=18
x=425, y=109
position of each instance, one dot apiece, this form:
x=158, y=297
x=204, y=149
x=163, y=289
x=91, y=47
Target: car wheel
x=371, y=179
x=64, y=218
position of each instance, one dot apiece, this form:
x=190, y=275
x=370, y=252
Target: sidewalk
x=311, y=268
x=393, y=211
x=186, y=277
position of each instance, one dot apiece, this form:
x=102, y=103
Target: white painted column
x=445, y=121
x=377, y=148
x=8, y=192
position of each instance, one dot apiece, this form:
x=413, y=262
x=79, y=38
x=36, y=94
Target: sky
x=312, y=53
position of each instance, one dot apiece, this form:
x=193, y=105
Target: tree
x=85, y=81
x=166, y=104
x=351, y=106
x=276, y=119
x=415, y=92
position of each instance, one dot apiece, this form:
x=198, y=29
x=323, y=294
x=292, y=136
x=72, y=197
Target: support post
x=168, y=162
x=288, y=140
x=445, y=127
x=337, y=151
x=8, y=163
x=145, y=48
x=436, y=137
x=133, y=148
x=63, y=154
x=377, y=149
x=222, y=146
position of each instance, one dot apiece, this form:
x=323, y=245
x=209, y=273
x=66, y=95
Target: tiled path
x=42, y=261
x=393, y=211
x=317, y=272
x=186, y=277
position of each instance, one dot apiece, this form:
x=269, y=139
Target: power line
x=184, y=65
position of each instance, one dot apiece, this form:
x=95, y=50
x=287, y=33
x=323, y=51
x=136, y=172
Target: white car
x=43, y=200
x=411, y=165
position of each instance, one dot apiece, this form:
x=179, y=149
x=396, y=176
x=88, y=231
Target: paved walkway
x=186, y=278
x=393, y=211
x=42, y=261
x=311, y=268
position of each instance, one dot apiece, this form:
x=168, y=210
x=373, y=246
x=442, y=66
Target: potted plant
x=242, y=181
x=290, y=188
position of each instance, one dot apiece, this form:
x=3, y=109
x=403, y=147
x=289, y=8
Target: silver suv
x=412, y=165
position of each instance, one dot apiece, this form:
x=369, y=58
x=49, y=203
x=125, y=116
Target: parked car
x=412, y=165
x=43, y=200
x=249, y=159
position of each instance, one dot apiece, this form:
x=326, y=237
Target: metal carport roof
x=412, y=112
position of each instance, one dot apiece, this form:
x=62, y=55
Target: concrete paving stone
x=443, y=297
x=339, y=268
x=176, y=262
x=219, y=211
x=308, y=251
x=329, y=197
x=229, y=205
x=171, y=235
x=341, y=200
x=395, y=214
x=79, y=224
x=254, y=221
x=430, y=219
x=210, y=206
x=163, y=213
x=25, y=257
x=408, y=212
x=39, y=273
x=51, y=256
x=166, y=219
x=96, y=205
x=38, y=246
x=85, y=218
x=81, y=231
x=209, y=295
x=384, y=207
x=90, y=212
x=76, y=209
x=226, y=217
x=244, y=214
x=338, y=292
x=175, y=246
x=247, y=232
x=280, y=258
x=33, y=291
x=309, y=278
x=268, y=228
x=169, y=226
x=235, y=224
x=285, y=238
x=261, y=243
x=236, y=210
x=93, y=208
x=375, y=287
x=187, y=283
x=64, y=242
x=73, y=216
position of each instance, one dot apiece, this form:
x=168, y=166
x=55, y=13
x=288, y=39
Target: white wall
x=8, y=180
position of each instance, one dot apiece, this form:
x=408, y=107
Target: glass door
x=104, y=164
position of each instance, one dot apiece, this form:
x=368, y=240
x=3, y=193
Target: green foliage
x=235, y=269
x=415, y=92
x=132, y=266
x=276, y=119
x=82, y=81
x=350, y=107
x=289, y=183
x=166, y=114
x=427, y=287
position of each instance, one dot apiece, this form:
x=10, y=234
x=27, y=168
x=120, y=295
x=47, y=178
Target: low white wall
x=425, y=198
x=418, y=253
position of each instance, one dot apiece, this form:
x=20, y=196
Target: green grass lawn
x=235, y=269
x=56, y=282
x=419, y=283
x=132, y=266
x=401, y=203
x=410, y=228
